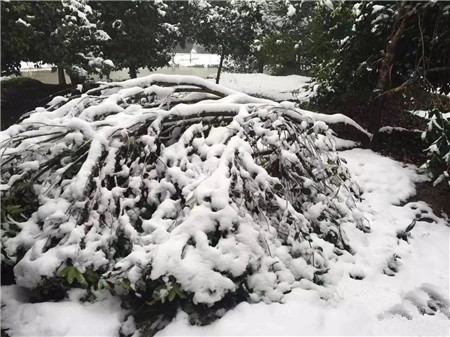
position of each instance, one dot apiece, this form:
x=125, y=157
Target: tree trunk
x=74, y=79
x=260, y=67
x=132, y=72
x=219, y=70
x=61, y=76
x=384, y=78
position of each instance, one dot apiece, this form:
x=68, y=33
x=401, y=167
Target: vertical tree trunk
x=74, y=79
x=384, y=78
x=132, y=72
x=260, y=67
x=219, y=70
x=61, y=76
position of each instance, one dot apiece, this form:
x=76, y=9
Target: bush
x=438, y=134
x=17, y=83
x=174, y=191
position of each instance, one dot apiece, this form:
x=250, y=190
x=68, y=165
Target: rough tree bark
x=384, y=78
x=219, y=70
x=61, y=76
x=132, y=71
x=260, y=67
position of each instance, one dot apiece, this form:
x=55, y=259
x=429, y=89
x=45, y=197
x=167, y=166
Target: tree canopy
x=143, y=33
x=59, y=33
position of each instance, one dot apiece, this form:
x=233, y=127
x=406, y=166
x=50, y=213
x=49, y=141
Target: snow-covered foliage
x=348, y=42
x=143, y=33
x=82, y=40
x=227, y=28
x=245, y=32
x=63, y=33
x=388, y=305
x=173, y=188
x=438, y=132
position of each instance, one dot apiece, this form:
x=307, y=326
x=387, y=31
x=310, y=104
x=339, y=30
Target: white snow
x=21, y=21
x=291, y=10
x=376, y=8
x=424, y=114
x=109, y=63
x=377, y=304
x=278, y=88
x=67, y=318
x=31, y=66
x=57, y=100
x=390, y=129
x=383, y=288
x=195, y=59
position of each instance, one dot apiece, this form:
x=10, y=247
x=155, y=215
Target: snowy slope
x=376, y=305
x=278, y=88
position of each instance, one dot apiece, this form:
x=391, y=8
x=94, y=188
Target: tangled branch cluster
x=172, y=187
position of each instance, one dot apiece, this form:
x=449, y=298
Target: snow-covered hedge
x=173, y=189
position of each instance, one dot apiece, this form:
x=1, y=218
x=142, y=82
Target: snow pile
x=277, y=88
x=176, y=190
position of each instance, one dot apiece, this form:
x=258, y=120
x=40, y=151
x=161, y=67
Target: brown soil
x=438, y=197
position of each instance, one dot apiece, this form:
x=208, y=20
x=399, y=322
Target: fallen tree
x=174, y=191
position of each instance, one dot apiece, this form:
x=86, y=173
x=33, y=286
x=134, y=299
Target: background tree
x=280, y=44
x=357, y=45
x=15, y=36
x=58, y=33
x=227, y=28
x=143, y=33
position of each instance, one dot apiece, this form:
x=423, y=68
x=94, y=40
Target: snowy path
x=376, y=305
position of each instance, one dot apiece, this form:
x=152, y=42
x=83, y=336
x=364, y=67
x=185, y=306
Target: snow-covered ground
x=195, y=59
x=202, y=65
x=277, y=88
x=387, y=287
x=378, y=304
x=31, y=66
x=68, y=318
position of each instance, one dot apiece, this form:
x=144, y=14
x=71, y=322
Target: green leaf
x=277, y=187
x=172, y=294
x=91, y=276
x=153, y=301
x=180, y=292
x=65, y=272
x=71, y=274
x=125, y=285
x=81, y=280
x=13, y=210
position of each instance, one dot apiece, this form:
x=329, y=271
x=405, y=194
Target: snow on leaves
x=176, y=180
